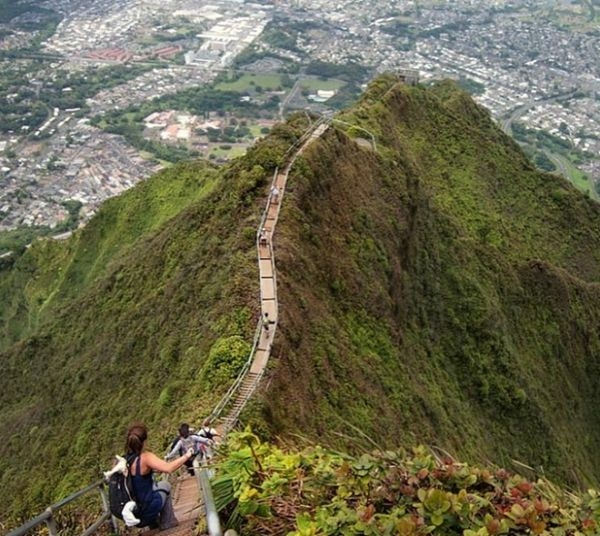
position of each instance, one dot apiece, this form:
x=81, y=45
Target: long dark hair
x=136, y=436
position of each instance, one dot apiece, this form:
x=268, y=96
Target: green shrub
x=225, y=360
x=165, y=398
x=268, y=490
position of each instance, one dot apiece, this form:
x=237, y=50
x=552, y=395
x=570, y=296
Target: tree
x=543, y=162
x=286, y=81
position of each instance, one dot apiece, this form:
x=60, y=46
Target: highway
x=506, y=123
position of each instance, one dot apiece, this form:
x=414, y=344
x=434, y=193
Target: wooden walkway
x=186, y=493
x=187, y=504
x=269, y=304
x=186, y=500
x=266, y=261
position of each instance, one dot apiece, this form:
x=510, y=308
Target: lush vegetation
x=9, y=9
x=546, y=150
x=41, y=20
x=252, y=54
x=263, y=489
x=22, y=106
x=284, y=34
x=350, y=72
x=456, y=274
x=473, y=87
x=281, y=33
x=130, y=318
x=435, y=288
x=199, y=101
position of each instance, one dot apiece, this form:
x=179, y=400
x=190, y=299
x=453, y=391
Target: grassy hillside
x=438, y=290
x=433, y=289
x=145, y=314
x=55, y=270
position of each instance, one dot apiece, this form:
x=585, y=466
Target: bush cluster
x=264, y=489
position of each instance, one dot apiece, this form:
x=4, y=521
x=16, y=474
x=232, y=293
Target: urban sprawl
x=533, y=64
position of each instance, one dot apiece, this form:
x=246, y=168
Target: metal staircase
x=243, y=394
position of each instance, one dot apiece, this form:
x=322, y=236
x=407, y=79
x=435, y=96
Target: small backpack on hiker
x=205, y=430
x=209, y=434
x=121, y=499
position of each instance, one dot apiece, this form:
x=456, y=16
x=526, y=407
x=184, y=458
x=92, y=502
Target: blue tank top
x=148, y=499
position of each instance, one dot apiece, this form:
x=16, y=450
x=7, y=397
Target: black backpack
x=120, y=489
x=206, y=432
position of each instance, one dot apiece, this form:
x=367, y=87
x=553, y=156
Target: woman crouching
x=155, y=508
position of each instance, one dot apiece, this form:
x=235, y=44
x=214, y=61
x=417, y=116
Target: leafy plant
x=225, y=360
x=319, y=492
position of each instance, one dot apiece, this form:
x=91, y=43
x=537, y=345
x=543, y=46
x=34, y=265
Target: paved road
x=288, y=98
x=506, y=123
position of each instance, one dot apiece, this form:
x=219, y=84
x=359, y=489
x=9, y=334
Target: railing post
x=106, y=508
x=51, y=522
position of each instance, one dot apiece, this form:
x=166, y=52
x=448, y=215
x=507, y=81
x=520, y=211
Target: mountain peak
x=433, y=287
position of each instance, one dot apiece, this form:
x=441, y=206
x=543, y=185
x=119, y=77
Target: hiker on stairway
x=209, y=433
x=266, y=322
x=186, y=441
x=155, y=508
x=263, y=240
x=274, y=194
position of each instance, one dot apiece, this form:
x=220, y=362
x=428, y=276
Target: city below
x=98, y=95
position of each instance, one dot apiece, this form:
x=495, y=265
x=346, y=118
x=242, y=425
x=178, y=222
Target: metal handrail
x=233, y=415
x=265, y=213
x=307, y=133
x=262, y=224
x=213, y=524
x=48, y=515
x=373, y=142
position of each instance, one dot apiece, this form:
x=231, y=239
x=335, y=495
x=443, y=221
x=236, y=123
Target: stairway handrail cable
x=216, y=413
x=47, y=516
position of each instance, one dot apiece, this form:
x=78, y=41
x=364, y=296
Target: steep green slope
x=438, y=290
x=433, y=289
x=147, y=313
x=55, y=270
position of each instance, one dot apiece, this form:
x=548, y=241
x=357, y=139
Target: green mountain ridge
x=433, y=289
x=469, y=291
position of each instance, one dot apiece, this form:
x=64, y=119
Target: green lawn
x=315, y=83
x=236, y=150
x=256, y=131
x=580, y=180
x=273, y=81
x=246, y=82
x=574, y=175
